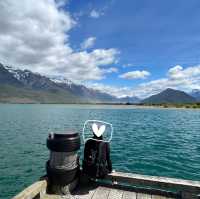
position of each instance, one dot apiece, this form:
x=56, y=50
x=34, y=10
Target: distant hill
x=169, y=96
x=196, y=94
x=131, y=100
x=24, y=86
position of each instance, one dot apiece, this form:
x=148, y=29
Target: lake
x=153, y=141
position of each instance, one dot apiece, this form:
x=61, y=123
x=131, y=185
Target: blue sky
x=151, y=35
x=132, y=47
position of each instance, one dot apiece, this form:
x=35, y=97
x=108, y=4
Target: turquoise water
x=163, y=142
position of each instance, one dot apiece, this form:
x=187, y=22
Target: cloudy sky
x=132, y=47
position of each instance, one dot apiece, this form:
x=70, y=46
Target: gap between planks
x=107, y=193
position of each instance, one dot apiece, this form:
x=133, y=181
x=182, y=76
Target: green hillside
x=14, y=94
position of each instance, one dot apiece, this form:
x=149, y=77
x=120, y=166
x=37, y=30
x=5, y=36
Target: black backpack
x=94, y=164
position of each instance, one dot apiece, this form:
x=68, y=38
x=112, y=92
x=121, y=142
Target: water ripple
x=147, y=141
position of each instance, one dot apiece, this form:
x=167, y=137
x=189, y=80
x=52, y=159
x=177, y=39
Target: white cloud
x=174, y=72
x=35, y=36
x=88, y=43
x=111, y=70
x=178, y=72
x=86, y=64
x=135, y=75
x=112, y=90
x=176, y=78
x=95, y=14
x=127, y=65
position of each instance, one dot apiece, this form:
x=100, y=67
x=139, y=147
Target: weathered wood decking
x=119, y=185
x=102, y=192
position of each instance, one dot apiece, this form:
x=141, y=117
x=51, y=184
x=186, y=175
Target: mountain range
x=196, y=94
x=170, y=96
x=24, y=86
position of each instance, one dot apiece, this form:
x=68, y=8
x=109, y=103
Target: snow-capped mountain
x=61, y=80
x=31, y=80
x=6, y=77
x=44, y=89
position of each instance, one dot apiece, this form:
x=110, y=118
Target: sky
x=131, y=47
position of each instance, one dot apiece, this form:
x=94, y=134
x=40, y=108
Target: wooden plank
x=159, y=197
x=101, y=193
x=85, y=196
x=115, y=194
x=47, y=196
x=187, y=195
x=84, y=193
x=129, y=195
x=38, y=188
x=162, y=182
x=143, y=196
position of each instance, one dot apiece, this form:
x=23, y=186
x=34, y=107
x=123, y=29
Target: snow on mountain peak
x=14, y=71
x=61, y=79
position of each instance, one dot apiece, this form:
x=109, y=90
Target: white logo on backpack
x=98, y=131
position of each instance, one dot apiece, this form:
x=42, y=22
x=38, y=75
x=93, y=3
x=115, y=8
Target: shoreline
x=120, y=106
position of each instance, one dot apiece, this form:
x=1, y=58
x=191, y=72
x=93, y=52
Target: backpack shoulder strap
x=100, y=151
